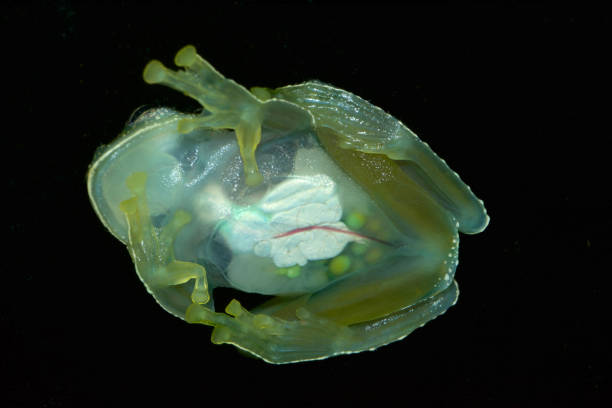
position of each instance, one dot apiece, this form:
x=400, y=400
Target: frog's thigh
x=376, y=312
x=394, y=325
x=392, y=286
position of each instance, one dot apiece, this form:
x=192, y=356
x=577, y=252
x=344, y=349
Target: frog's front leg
x=151, y=248
x=227, y=105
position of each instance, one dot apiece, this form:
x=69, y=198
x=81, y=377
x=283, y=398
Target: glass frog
x=308, y=194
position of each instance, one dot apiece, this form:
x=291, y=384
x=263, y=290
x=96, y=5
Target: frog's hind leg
x=360, y=126
x=401, y=323
x=309, y=336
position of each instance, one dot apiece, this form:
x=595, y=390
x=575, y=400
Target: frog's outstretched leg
x=228, y=105
x=151, y=248
x=360, y=126
x=311, y=337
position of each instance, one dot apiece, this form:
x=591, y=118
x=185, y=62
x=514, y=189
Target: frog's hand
x=273, y=339
x=361, y=126
x=227, y=104
x=151, y=250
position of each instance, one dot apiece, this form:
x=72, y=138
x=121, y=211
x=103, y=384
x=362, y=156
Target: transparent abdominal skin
x=306, y=193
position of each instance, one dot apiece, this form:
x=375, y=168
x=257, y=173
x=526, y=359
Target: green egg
x=293, y=271
x=355, y=220
x=340, y=264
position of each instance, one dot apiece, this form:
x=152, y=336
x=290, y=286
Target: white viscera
x=295, y=222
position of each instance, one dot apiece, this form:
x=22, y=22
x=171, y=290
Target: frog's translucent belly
x=309, y=226
x=188, y=172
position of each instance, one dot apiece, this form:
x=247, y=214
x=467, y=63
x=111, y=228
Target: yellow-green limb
x=275, y=340
x=228, y=105
x=152, y=248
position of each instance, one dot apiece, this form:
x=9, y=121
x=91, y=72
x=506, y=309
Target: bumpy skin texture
x=306, y=193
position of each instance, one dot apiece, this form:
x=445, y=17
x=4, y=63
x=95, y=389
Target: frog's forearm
x=152, y=250
x=228, y=104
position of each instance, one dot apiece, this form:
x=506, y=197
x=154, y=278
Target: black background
x=509, y=93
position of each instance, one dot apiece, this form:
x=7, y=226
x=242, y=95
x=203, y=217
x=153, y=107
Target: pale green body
x=307, y=193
